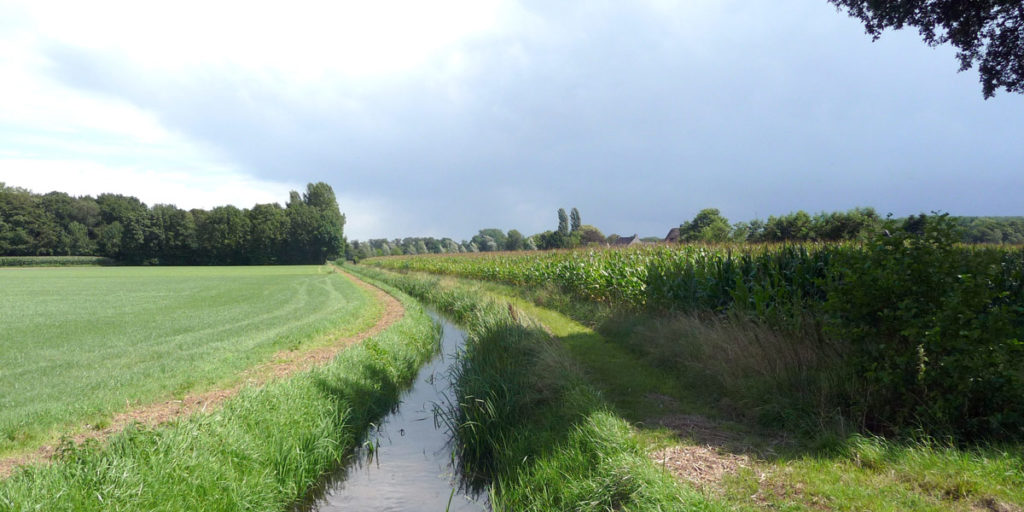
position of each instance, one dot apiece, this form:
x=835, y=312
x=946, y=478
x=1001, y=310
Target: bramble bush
x=934, y=330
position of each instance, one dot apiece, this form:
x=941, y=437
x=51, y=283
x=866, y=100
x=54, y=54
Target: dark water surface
x=409, y=468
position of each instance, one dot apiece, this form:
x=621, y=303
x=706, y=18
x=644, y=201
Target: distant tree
x=268, y=237
x=316, y=225
x=514, y=240
x=610, y=239
x=574, y=220
x=850, y=225
x=590, y=235
x=421, y=247
x=450, y=245
x=135, y=221
x=992, y=230
x=756, y=231
x=989, y=33
x=496, y=236
x=433, y=245
x=549, y=240
x=563, y=223
x=174, y=240
x=530, y=243
x=223, y=236
x=329, y=236
x=707, y=226
x=81, y=244
x=29, y=229
x=109, y=240
x=740, y=232
x=793, y=227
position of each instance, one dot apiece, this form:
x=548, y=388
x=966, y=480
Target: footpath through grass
x=721, y=457
x=79, y=344
x=263, y=450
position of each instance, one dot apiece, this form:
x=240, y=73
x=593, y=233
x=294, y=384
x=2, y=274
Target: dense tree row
x=710, y=226
x=856, y=224
x=308, y=229
x=707, y=226
x=992, y=230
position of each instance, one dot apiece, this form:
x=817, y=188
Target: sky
x=441, y=118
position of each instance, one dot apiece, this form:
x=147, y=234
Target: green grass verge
x=263, y=450
x=77, y=344
x=529, y=423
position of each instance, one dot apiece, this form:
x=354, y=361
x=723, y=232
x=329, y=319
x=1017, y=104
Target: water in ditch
x=406, y=463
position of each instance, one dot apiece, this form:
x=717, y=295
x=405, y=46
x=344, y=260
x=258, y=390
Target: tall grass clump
x=527, y=422
x=263, y=450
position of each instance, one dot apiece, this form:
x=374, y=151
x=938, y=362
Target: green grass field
x=79, y=344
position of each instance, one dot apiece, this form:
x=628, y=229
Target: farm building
x=627, y=241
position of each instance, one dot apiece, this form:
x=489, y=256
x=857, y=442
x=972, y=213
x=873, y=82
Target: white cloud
x=187, y=188
x=304, y=39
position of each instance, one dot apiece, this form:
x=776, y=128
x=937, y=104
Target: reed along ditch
x=405, y=464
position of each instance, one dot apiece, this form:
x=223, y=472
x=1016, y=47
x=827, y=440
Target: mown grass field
x=267, y=448
x=79, y=344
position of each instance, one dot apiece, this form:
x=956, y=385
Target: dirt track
x=281, y=365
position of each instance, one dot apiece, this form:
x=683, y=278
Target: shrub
x=934, y=331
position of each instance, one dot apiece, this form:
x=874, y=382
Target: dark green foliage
x=590, y=235
x=707, y=226
x=491, y=239
x=125, y=229
x=315, y=226
x=992, y=230
x=268, y=237
x=574, y=220
x=514, y=241
x=987, y=33
x=549, y=240
x=935, y=329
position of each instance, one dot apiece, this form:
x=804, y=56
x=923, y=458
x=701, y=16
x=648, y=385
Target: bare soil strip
x=281, y=365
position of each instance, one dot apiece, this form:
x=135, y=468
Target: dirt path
x=281, y=365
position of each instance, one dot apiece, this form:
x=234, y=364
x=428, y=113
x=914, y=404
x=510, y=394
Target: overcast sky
x=439, y=118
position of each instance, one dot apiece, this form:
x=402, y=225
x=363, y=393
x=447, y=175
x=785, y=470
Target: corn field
x=772, y=282
x=920, y=320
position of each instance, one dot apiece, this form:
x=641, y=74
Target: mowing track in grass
x=339, y=313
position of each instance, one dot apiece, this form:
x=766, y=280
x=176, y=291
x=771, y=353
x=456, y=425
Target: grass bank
x=529, y=422
x=732, y=410
x=79, y=344
x=263, y=450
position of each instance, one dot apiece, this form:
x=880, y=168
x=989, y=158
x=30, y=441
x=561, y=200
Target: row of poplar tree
x=309, y=229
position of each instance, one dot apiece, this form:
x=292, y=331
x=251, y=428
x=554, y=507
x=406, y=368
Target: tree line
x=571, y=232
x=855, y=224
x=708, y=226
x=309, y=229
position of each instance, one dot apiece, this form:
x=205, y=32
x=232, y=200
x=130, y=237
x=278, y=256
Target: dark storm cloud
x=638, y=116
